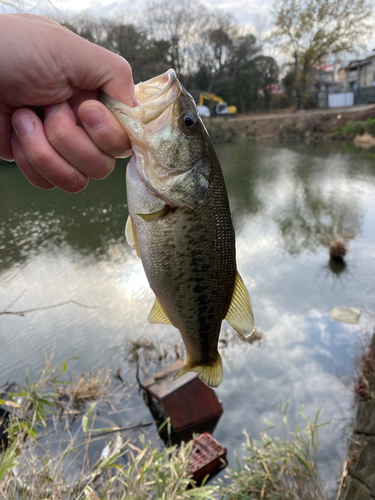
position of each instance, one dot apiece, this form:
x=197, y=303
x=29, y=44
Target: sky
x=255, y=16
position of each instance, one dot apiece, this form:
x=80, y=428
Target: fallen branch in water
x=119, y=429
x=22, y=313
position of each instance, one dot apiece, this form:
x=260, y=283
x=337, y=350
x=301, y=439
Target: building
x=360, y=73
x=330, y=77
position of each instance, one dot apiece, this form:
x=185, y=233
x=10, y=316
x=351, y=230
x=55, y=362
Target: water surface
x=285, y=200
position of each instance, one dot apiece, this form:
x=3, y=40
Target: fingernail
x=23, y=125
x=49, y=110
x=135, y=102
x=126, y=154
x=93, y=118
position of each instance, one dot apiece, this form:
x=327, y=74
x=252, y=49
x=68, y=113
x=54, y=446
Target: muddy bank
x=341, y=124
x=359, y=474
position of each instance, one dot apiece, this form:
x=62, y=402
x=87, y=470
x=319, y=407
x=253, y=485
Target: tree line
x=211, y=52
x=208, y=50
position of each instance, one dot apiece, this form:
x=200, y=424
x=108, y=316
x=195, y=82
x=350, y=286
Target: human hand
x=46, y=70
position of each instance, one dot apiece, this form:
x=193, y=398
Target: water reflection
x=283, y=198
x=337, y=267
x=89, y=223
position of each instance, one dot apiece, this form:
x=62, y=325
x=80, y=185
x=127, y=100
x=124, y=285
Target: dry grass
x=53, y=450
x=365, y=386
x=33, y=468
x=151, y=352
x=272, y=469
x=88, y=388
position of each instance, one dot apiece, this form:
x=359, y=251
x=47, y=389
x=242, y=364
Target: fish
x=180, y=222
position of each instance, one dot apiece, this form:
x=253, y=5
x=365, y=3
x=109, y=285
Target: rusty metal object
x=190, y=405
x=208, y=457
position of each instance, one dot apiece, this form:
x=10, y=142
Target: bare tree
x=313, y=29
x=26, y=6
x=213, y=49
x=180, y=24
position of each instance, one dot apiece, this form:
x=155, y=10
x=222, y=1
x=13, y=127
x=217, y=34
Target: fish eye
x=189, y=122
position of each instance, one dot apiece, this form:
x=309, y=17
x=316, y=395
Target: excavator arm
x=209, y=97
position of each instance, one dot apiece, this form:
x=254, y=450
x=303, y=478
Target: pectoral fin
x=240, y=313
x=159, y=214
x=157, y=314
x=131, y=234
x=211, y=374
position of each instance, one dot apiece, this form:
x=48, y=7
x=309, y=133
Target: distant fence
x=365, y=95
x=334, y=98
x=342, y=99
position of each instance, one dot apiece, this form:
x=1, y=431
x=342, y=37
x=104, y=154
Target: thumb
x=93, y=67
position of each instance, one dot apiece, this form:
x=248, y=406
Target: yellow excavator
x=221, y=108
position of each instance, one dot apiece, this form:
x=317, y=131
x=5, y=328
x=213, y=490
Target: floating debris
x=337, y=243
x=346, y=314
x=337, y=250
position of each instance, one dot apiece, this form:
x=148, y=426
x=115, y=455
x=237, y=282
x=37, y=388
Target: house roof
x=360, y=62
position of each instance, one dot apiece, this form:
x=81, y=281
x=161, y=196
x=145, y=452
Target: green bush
x=370, y=126
x=353, y=128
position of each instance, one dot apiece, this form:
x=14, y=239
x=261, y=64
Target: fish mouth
x=153, y=96
x=155, y=88
x=156, y=96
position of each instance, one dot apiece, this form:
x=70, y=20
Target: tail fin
x=211, y=374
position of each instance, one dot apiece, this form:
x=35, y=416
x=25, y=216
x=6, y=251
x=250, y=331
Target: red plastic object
x=208, y=457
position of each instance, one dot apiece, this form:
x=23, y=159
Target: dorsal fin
x=157, y=314
x=240, y=313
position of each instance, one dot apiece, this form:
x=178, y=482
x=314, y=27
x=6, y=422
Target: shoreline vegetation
x=131, y=466
x=358, y=479
x=354, y=125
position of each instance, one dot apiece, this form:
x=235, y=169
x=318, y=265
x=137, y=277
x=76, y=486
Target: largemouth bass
x=180, y=222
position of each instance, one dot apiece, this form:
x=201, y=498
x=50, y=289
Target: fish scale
x=180, y=222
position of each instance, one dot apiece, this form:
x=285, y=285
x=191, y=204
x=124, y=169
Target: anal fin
x=211, y=374
x=157, y=314
x=240, y=313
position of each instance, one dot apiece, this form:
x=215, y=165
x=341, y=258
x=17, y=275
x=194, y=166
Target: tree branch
x=22, y=313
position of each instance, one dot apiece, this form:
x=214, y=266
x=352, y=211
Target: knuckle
x=73, y=181
x=39, y=158
x=57, y=134
x=69, y=179
x=114, y=144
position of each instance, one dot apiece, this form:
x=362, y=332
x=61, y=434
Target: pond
x=286, y=200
